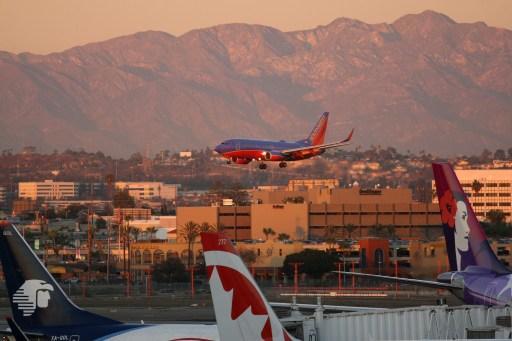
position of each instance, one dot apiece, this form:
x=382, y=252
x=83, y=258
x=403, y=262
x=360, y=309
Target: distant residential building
x=487, y=189
x=303, y=184
x=95, y=205
x=149, y=190
x=3, y=195
x=133, y=213
x=91, y=190
x=20, y=206
x=186, y=154
x=48, y=189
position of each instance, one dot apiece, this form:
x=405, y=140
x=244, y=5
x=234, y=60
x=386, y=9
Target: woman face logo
x=461, y=227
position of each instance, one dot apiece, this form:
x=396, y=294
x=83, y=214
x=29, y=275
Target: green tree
x=207, y=227
x=59, y=239
x=495, y=216
x=122, y=199
x=189, y=232
x=248, y=256
x=172, y=270
x=330, y=233
x=476, y=186
x=315, y=262
x=350, y=228
x=283, y=236
x=100, y=223
x=268, y=231
x=152, y=232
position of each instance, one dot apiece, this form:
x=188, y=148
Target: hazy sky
x=43, y=26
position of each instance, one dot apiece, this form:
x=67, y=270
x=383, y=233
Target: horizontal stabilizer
x=341, y=143
x=345, y=308
x=420, y=282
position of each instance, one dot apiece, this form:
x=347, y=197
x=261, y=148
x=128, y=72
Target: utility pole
x=90, y=237
x=296, y=276
x=339, y=273
x=108, y=250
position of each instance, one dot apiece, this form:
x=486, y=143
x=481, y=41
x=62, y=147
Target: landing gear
x=228, y=162
x=262, y=166
x=282, y=164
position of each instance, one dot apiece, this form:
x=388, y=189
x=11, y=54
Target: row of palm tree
x=189, y=233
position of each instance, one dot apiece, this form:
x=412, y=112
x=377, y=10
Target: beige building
x=353, y=212
x=487, y=189
x=303, y=184
x=48, y=189
x=149, y=190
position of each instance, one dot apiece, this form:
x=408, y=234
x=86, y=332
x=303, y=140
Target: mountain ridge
x=421, y=82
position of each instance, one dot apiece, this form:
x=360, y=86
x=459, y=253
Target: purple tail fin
x=466, y=242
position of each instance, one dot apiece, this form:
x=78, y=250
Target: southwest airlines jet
x=242, y=151
x=476, y=275
x=41, y=309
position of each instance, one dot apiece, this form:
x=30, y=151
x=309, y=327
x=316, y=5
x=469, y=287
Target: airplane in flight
x=243, y=151
x=476, y=274
x=241, y=310
x=41, y=309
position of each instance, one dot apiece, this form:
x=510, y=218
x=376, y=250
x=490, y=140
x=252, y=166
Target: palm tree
x=268, y=231
x=152, y=232
x=330, y=236
x=207, y=227
x=476, y=186
x=350, y=228
x=135, y=232
x=189, y=233
x=283, y=236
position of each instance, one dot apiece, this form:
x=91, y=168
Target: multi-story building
x=48, y=189
x=149, y=190
x=303, y=184
x=3, y=195
x=487, y=189
x=352, y=212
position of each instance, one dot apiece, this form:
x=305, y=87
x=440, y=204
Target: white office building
x=149, y=190
x=487, y=189
x=48, y=189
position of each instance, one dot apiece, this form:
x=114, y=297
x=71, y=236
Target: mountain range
x=423, y=82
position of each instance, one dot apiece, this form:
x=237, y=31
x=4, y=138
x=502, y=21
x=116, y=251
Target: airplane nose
x=218, y=149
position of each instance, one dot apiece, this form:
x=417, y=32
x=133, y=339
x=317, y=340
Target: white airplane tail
x=241, y=310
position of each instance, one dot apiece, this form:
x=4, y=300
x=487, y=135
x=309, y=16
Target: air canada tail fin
x=466, y=241
x=317, y=135
x=36, y=298
x=241, y=310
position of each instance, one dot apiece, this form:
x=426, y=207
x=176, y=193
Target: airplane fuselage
x=155, y=332
x=244, y=150
x=481, y=286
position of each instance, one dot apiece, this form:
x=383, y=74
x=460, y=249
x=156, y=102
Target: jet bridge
x=418, y=323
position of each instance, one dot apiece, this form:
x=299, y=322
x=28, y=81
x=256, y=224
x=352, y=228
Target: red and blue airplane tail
x=317, y=135
x=466, y=242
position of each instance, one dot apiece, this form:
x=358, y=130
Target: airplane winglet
x=349, y=137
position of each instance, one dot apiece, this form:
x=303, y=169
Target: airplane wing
x=321, y=146
x=420, y=282
x=326, y=306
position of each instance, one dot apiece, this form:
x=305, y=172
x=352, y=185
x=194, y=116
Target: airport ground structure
x=487, y=189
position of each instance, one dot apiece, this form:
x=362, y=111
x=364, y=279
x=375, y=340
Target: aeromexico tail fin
x=241, y=310
x=466, y=242
x=317, y=135
x=36, y=298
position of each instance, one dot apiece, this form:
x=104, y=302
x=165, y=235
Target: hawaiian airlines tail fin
x=36, y=298
x=241, y=310
x=466, y=241
x=317, y=135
